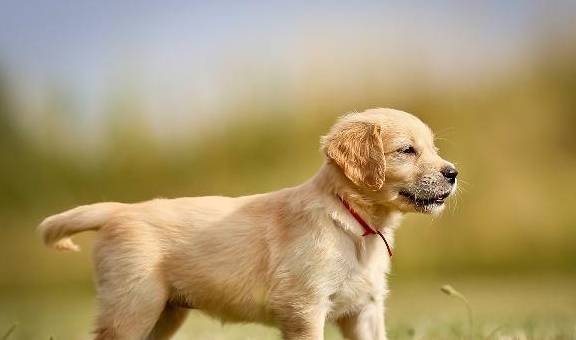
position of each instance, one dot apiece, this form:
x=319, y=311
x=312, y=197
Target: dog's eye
x=407, y=150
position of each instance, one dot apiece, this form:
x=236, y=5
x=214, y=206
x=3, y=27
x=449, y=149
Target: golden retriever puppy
x=294, y=258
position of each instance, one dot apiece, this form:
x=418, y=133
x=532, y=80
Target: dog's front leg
x=366, y=324
x=305, y=324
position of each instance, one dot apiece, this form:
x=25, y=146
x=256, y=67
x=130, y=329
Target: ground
x=504, y=307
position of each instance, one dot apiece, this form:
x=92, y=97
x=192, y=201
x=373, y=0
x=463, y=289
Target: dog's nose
x=450, y=173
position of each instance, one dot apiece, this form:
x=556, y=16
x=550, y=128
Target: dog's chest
x=362, y=284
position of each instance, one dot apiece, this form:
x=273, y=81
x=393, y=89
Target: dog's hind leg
x=132, y=313
x=131, y=291
x=170, y=320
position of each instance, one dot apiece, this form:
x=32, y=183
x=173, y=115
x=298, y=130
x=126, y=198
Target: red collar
x=367, y=229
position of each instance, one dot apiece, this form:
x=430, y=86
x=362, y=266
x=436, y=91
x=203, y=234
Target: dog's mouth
x=425, y=201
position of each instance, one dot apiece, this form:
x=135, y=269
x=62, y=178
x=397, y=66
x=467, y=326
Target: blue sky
x=62, y=37
x=85, y=47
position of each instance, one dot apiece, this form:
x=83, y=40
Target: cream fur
x=293, y=258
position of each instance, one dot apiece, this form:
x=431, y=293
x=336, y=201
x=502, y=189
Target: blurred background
x=127, y=101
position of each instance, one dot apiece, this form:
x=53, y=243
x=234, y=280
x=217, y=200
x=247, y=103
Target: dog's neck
x=330, y=180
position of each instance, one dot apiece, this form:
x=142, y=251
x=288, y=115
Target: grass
x=450, y=291
x=531, y=308
x=9, y=332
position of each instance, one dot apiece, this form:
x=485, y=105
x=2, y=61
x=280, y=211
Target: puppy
x=294, y=258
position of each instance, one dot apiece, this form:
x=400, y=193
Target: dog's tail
x=57, y=229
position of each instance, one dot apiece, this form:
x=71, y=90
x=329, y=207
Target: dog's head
x=389, y=156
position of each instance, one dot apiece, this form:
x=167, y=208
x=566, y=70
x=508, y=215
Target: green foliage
x=527, y=307
x=511, y=137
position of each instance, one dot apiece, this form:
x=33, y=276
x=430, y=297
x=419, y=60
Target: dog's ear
x=356, y=147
